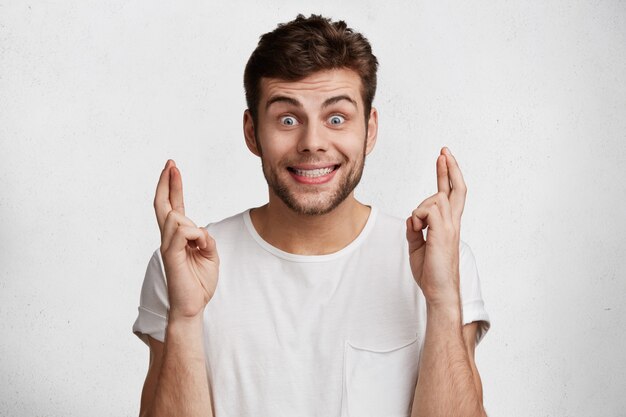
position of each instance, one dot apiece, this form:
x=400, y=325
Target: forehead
x=316, y=87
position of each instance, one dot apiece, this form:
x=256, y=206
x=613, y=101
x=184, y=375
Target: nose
x=312, y=139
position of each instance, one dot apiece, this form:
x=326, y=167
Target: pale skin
x=319, y=134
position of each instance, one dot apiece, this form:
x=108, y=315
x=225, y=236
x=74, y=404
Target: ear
x=372, y=131
x=249, y=134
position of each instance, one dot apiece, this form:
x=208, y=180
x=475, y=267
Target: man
x=324, y=306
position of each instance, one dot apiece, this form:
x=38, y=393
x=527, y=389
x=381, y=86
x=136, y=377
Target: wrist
x=442, y=293
x=184, y=326
x=184, y=315
x=447, y=309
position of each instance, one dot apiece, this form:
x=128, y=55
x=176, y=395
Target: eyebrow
x=337, y=99
x=282, y=99
x=328, y=102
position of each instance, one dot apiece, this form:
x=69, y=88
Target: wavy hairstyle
x=304, y=46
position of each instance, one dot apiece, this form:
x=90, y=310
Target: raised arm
x=177, y=384
x=448, y=383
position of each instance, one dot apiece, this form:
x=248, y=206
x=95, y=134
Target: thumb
x=208, y=247
x=414, y=238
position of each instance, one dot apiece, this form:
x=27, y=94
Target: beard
x=315, y=203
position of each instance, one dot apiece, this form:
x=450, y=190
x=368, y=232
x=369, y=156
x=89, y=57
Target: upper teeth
x=314, y=172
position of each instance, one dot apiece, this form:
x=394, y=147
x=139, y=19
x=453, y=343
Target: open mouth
x=313, y=173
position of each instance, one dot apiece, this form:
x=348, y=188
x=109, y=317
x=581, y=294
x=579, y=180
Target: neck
x=302, y=234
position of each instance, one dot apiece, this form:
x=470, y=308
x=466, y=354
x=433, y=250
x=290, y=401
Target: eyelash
x=297, y=122
x=343, y=119
x=283, y=118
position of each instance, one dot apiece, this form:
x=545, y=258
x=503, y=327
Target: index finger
x=459, y=189
x=443, y=182
x=176, y=191
x=162, y=204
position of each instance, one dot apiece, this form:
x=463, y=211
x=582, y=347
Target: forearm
x=447, y=383
x=183, y=388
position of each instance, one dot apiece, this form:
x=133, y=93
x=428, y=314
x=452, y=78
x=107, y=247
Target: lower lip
x=314, y=180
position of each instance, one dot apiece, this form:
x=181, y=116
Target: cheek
x=352, y=143
x=278, y=143
x=270, y=141
x=274, y=151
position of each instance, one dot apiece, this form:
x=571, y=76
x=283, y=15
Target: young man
x=324, y=306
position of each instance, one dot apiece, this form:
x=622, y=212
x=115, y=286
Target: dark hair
x=304, y=46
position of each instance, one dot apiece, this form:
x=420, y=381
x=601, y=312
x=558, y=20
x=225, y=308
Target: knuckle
x=172, y=217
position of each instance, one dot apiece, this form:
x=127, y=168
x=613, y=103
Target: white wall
x=95, y=96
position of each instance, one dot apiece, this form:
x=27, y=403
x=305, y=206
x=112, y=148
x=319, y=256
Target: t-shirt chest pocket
x=380, y=382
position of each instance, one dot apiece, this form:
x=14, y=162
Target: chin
x=310, y=204
x=313, y=209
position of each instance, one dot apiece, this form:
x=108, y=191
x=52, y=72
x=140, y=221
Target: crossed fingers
x=177, y=230
x=446, y=206
x=173, y=223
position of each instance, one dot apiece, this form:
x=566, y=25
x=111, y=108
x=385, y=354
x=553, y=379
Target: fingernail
x=447, y=150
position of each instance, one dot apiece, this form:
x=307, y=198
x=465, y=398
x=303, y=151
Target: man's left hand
x=434, y=258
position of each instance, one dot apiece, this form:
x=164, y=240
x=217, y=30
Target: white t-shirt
x=296, y=335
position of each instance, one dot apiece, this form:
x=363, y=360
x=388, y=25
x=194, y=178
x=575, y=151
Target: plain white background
x=96, y=95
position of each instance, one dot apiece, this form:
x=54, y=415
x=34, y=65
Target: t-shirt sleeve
x=153, y=303
x=471, y=296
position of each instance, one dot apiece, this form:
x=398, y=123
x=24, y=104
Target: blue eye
x=288, y=120
x=336, y=120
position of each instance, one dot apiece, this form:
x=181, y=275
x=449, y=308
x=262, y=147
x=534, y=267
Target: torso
x=335, y=335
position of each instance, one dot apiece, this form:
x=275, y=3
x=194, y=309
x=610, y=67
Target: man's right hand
x=189, y=253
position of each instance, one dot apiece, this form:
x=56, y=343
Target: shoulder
x=386, y=218
x=228, y=221
x=227, y=227
x=388, y=223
